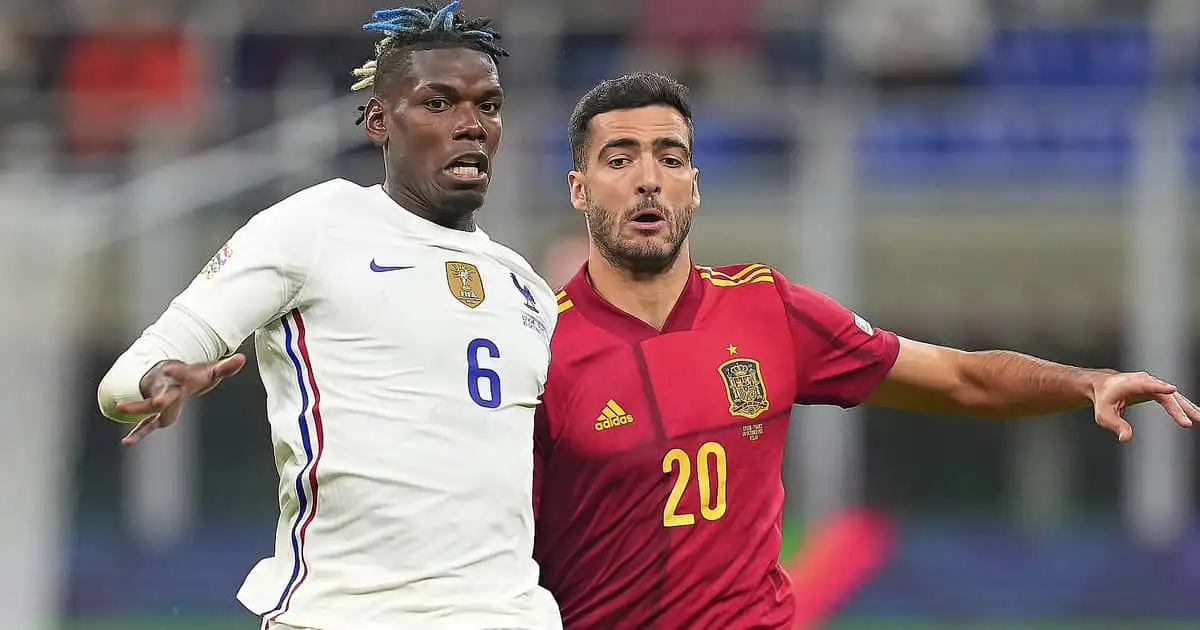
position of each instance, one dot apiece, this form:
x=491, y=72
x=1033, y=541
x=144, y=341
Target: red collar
x=584, y=297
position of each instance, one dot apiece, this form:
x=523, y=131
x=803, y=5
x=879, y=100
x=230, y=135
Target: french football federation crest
x=530, y=303
x=745, y=388
x=465, y=284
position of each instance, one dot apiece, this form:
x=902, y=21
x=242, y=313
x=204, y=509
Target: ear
x=695, y=188
x=375, y=122
x=575, y=180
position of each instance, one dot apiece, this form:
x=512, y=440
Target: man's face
x=440, y=128
x=638, y=190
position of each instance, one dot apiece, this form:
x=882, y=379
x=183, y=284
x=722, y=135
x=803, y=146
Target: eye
x=437, y=104
x=490, y=107
x=619, y=162
x=672, y=161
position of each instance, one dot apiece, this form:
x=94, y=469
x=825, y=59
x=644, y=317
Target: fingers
x=141, y=430
x=199, y=378
x=1189, y=407
x=216, y=372
x=1123, y=389
x=153, y=405
x=1160, y=387
x=1115, y=423
x=162, y=420
x=179, y=371
x=1171, y=403
x=171, y=386
x=228, y=367
x=1148, y=384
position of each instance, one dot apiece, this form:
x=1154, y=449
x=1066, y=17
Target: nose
x=468, y=126
x=649, y=182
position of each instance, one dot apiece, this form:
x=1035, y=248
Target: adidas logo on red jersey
x=612, y=416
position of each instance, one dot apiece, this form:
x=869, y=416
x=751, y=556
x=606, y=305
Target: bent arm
x=178, y=335
x=251, y=281
x=996, y=384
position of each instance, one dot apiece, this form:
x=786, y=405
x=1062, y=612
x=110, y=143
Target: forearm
x=1001, y=384
x=178, y=335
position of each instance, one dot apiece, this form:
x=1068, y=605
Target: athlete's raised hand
x=168, y=385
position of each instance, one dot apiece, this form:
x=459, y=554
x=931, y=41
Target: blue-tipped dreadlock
x=410, y=28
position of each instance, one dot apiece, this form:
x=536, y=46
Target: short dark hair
x=421, y=28
x=631, y=91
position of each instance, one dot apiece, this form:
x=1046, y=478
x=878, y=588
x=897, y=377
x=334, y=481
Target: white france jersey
x=402, y=363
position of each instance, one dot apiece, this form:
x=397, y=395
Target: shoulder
x=739, y=275
x=563, y=298
x=518, y=262
x=757, y=284
x=323, y=198
x=753, y=282
x=521, y=268
x=746, y=275
x=575, y=336
x=304, y=210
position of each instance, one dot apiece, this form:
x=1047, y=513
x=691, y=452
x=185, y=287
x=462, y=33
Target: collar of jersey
x=594, y=307
x=438, y=234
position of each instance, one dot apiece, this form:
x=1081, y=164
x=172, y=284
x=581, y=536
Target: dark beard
x=636, y=258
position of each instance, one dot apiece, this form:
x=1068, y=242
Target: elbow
x=973, y=401
x=975, y=392
x=969, y=393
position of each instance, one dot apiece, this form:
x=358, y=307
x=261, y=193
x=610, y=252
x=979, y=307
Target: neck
x=464, y=222
x=648, y=297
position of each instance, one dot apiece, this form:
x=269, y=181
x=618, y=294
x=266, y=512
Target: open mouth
x=468, y=166
x=647, y=216
x=648, y=221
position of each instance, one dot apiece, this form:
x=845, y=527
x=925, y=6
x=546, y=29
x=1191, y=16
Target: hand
x=1113, y=393
x=167, y=385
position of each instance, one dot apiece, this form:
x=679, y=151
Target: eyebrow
x=450, y=90
x=658, y=143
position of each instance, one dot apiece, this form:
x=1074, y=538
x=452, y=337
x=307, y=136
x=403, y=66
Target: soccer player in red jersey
x=659, y=444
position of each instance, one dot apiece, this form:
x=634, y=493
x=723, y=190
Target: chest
x=415, y=313
x=729, y=377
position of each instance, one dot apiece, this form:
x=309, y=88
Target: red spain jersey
x=658, y=455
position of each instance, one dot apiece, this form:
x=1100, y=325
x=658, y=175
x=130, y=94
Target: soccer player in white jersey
x=402, y=352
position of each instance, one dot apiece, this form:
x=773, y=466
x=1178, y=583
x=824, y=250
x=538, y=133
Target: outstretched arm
x=1001, y=384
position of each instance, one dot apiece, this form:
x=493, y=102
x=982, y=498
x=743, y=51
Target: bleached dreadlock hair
x=418, y=28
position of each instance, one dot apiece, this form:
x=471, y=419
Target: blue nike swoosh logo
x=378, y=269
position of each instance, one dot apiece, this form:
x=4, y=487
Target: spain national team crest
x=465, y=284
x=745, y=388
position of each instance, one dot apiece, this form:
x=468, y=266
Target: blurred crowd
x=97, y=73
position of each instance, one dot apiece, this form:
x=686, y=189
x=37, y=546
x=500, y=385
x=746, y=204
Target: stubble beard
x=639, y=258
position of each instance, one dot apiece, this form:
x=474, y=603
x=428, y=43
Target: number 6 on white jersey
x=475, y=373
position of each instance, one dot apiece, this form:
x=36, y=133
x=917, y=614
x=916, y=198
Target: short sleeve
x=840, y=357
x=255, y=277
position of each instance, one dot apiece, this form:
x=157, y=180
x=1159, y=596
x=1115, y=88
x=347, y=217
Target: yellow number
x=711, y=508
x=670, y=517
x=711, y=511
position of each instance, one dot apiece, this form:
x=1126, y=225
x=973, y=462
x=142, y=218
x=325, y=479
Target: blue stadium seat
x=1019, y=135
x=1108, y=56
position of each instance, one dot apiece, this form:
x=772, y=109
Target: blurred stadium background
x=1005, y=173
